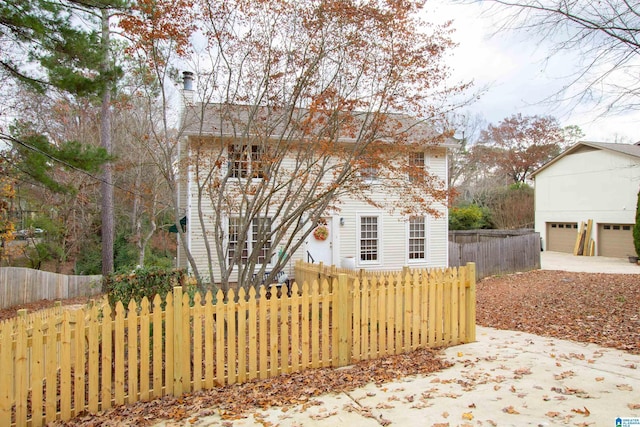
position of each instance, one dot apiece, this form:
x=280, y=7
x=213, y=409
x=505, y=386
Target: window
x=416, y=167
x=369, y=170
x=260, y=233
x=247, y=161
x=369, y=238
x=417, y=238
x=369, y=174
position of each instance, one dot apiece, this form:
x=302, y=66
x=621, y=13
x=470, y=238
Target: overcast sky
x=518, y=79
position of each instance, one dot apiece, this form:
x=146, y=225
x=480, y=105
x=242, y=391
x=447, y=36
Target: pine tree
x=74, y=58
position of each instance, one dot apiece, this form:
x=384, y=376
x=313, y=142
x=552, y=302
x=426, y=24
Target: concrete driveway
x=504, y=379
x=587, y=264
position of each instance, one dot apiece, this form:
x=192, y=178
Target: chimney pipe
x=187, y=87
x=187, y=79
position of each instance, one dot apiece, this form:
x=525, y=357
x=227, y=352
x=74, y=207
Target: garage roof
x=632, y=150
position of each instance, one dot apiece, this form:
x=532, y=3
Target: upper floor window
x=416, y=166
x=259, y=235
x=417, y=238
x=369, y=170
x=247, y=161
x=369, y=238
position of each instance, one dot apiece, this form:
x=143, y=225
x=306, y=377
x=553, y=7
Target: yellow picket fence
x=59, y=366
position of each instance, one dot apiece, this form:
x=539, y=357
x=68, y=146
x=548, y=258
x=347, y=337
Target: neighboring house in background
x=360, y=235
x=590, y=180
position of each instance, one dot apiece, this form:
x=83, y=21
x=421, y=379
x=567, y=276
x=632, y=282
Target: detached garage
x=589, y=181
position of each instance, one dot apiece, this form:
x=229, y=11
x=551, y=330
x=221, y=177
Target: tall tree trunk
x=105, y=142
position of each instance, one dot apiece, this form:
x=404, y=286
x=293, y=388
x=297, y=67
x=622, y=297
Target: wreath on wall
x=321, y=233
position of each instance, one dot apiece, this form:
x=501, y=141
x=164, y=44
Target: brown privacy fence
x=24, y=285
x=500, y=252
x=66, y=363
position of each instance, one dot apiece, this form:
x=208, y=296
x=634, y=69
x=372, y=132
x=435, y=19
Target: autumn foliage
x=316, y=102
x=518, y=145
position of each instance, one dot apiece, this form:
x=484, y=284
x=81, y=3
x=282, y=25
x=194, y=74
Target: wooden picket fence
x=66, y=363
x=20, y=285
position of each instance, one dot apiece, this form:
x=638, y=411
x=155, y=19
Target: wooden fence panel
x=20, y=285
x=498, y=255
x=97, y=358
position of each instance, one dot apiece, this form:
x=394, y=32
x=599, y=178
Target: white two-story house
x=263, y=187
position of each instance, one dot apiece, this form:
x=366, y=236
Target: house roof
x=231, y=121
x=632, y=150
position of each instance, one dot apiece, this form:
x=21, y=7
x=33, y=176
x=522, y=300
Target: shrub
x=470, y=217
x=145, y=282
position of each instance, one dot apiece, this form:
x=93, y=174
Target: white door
x=319, y=250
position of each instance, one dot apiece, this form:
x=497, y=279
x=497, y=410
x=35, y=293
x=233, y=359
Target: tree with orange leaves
x=306, y=106
x=519, y=144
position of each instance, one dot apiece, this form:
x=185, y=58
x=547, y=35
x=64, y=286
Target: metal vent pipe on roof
x=187, y=80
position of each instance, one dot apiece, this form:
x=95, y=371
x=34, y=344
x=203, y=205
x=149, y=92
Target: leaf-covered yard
x=597, y=308
x=589, y=307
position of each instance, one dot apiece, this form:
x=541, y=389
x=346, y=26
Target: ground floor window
x=241, y=246
x=417, y=238
x=369, y=238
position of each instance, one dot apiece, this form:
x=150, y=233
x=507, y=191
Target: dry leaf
x=510, y=410
x=467, y=416
x=634, y=405
x=552, y=414
x=445, y=415
x=584, y=411
x=522, y=371
x=599, y=379
x=563, y=375
x=624, y=387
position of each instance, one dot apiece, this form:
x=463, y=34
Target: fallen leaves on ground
x=238, y=400
x=586, y=307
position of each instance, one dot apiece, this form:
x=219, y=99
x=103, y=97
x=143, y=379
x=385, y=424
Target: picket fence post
x=471, y=302
x=177, y=340
x=343, y=328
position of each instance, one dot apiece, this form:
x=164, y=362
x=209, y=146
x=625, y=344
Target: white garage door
x=561, y=236
x=615, y=240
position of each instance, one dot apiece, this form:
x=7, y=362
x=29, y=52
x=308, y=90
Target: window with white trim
x=260, y=233
x=417, y=238
x=416, y=166
x=369, y=244
x=247, y=161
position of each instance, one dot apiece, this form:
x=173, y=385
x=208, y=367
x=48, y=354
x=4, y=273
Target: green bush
x=145, y=282
x=636, y=228
x=470, y=217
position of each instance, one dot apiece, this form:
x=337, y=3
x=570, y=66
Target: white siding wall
x=590, y=184
x=393, y=230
